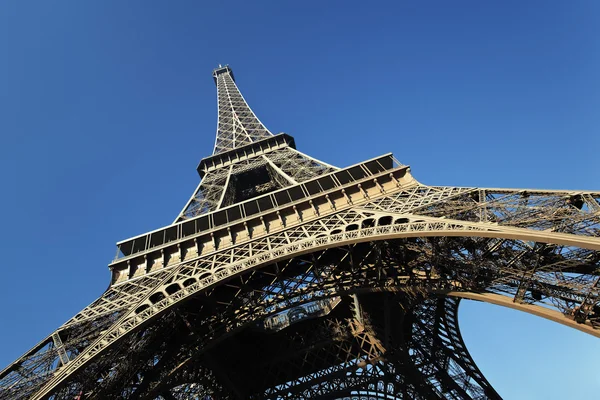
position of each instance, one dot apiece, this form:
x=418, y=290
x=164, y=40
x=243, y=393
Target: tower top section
x=237, y=125
x=222, y=70
x=248, y=161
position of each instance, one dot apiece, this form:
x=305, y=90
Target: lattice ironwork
x=285, y=277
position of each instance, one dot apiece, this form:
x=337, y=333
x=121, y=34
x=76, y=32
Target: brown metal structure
x=284, y=277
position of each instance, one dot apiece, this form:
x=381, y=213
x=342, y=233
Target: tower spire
x=248, y=160
x=237, y=125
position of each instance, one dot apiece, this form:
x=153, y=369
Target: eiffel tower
x=284, y=277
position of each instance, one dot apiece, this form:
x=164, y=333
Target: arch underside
x=392, y=280
x=392, y=333
x=397, y=343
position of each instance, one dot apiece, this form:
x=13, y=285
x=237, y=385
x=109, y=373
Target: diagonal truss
x=237, y=125
x=316, y=282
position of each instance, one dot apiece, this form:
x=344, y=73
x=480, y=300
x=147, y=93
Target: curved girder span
x=551, y=259
x=357, y=269
x=350, y=262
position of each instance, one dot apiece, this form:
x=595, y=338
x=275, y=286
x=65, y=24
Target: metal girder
x=349, y=289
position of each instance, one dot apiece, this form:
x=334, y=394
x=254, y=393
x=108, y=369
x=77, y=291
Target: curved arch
x=551, y=315
x=424, y=227
x=419, y=229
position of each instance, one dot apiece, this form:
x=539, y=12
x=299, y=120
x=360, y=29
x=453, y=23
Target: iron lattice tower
x=286, y=277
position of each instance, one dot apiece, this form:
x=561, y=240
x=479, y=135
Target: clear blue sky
x=107, y=106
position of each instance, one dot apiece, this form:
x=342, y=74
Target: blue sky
x=106, y=107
